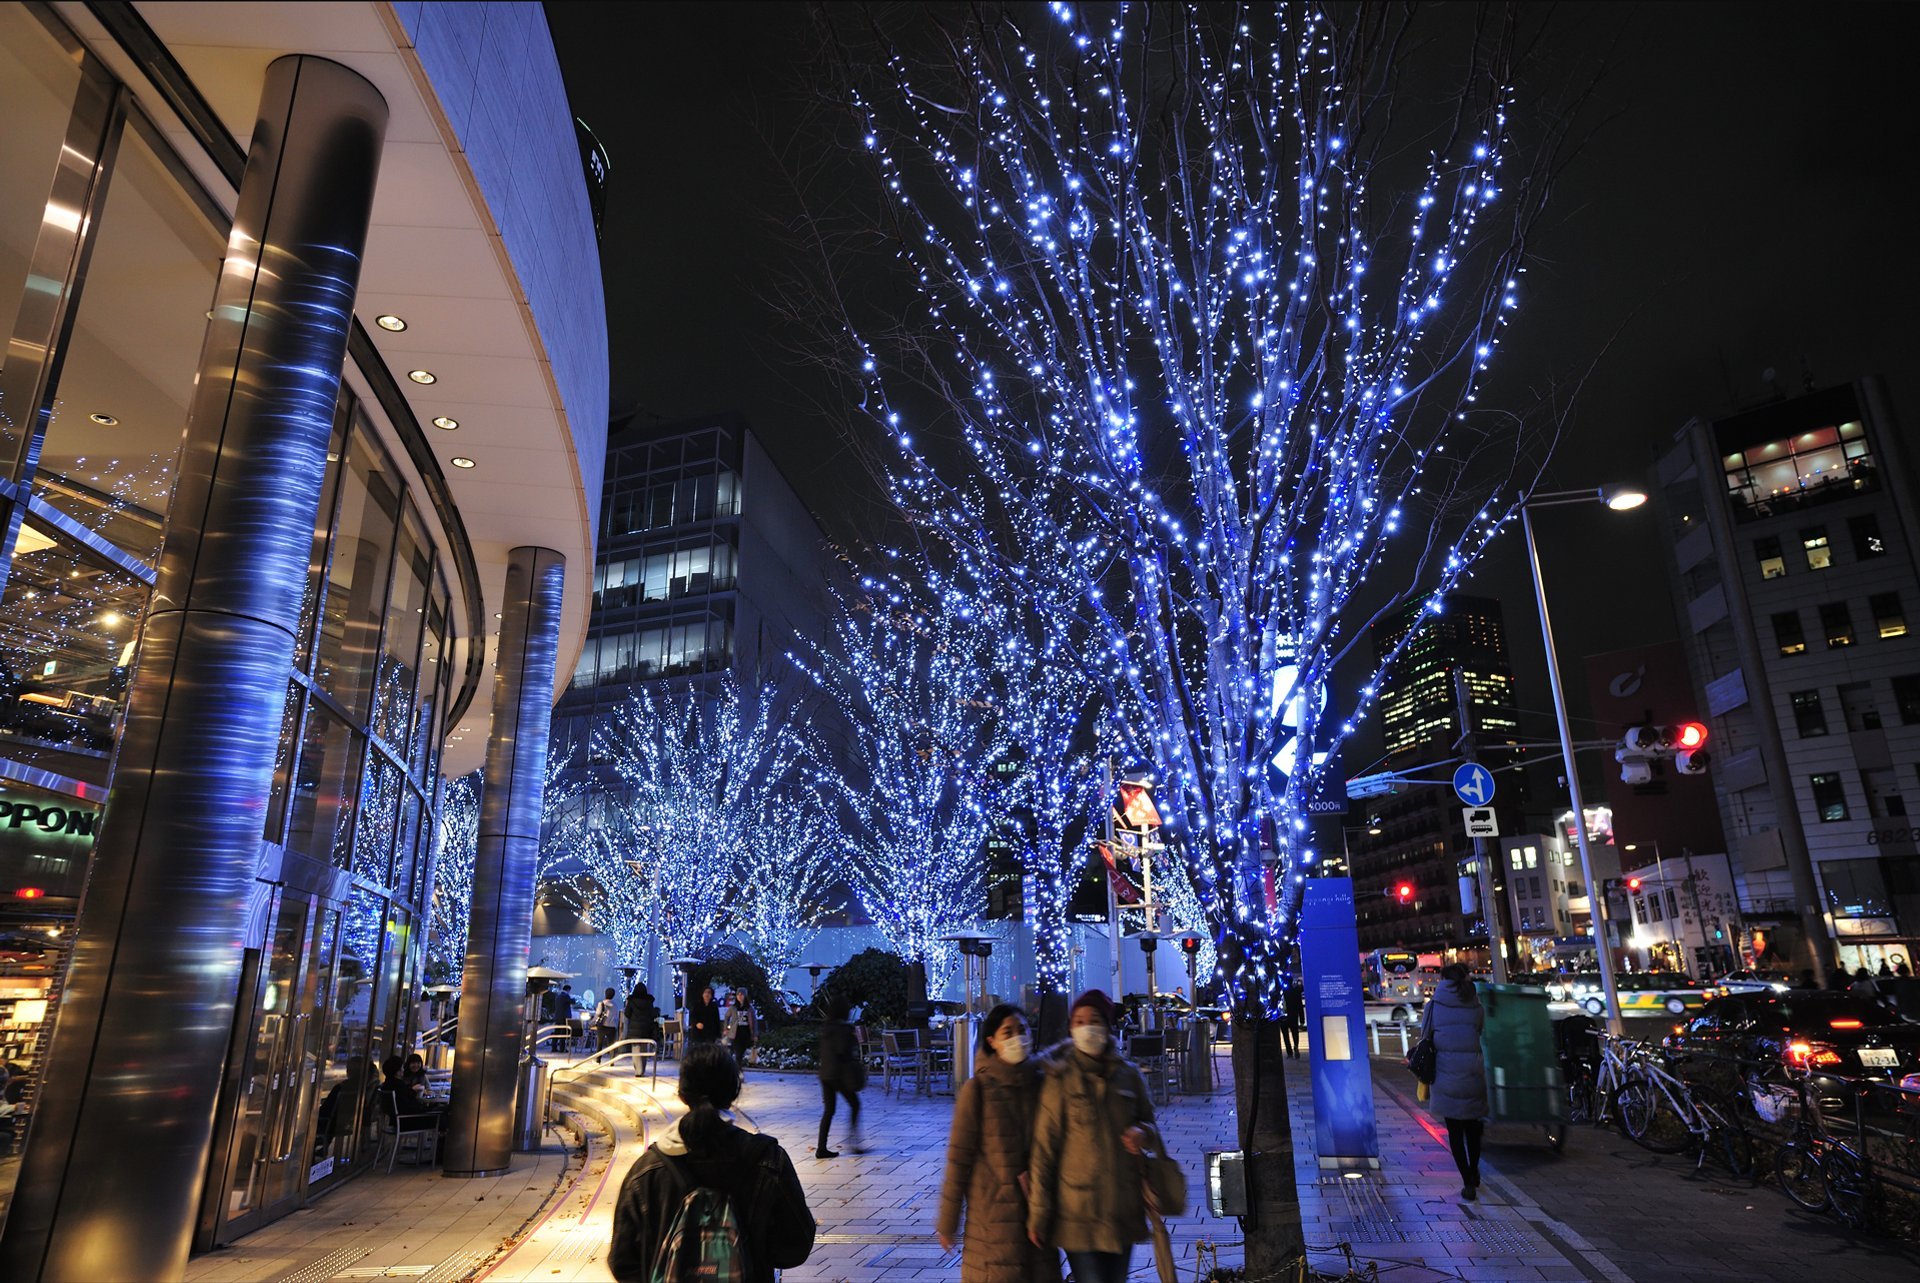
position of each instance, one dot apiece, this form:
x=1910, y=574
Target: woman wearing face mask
x=987, y=1158
x=1095, y=1121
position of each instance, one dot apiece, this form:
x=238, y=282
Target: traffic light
x=1190, y=945
x=1643, y=747
x=1633, y=884
x=1691, y=759
x=1403, y=892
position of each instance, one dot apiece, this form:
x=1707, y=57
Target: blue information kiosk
x=1344, y=1133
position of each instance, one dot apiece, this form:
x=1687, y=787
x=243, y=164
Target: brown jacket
x=986, y=1156
x=1086, y=1186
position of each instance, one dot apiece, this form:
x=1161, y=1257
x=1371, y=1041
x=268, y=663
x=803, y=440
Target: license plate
x=1880, y=1058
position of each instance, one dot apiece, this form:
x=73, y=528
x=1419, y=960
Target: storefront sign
x=18, y=813
x=1344, y=1131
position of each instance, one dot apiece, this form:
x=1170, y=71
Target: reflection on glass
x=357, y=574
x=67, y=632
x=322, y=790
x=317, y=559
x=38, y=82
x=435, y=672
x=128, y=370
x=382, y=788
x=283, y=764
x=406, y=619
x=406, y=843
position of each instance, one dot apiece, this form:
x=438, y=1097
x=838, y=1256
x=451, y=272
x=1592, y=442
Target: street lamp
x=1371, y=828
x=1618, y=499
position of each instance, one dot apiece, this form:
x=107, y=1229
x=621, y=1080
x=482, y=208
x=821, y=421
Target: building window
x=1883, y=794
x=1857, y=707
x=1888, y=619
x=1906, y=698
x=1808, y=716
x=1836, y=624
x=1856, y=889
x=1829, y=799
x=1766, y=550
x=1814, y=541
x=1814, y=466
x=1865, y=532
x=1787, y=633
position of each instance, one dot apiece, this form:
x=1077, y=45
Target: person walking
x=842, y=1073
x=990, y=1144
x=1455, y=1019
x=1293, y=1014
x=1086, y=1193
x=742, y=1029
x=606, y=1023
x=705, y=1151
x=642, y=1013
x=703, y=1018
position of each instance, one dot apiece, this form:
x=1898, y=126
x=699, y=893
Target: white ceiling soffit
x=434, y=259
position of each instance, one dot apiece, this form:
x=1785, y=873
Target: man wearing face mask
x=1095, y=1122
x=987, y=1154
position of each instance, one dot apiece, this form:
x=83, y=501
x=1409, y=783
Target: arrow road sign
x=1473, y=784
x=1481, y=822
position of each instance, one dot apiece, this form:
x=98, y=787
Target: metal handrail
x=547, y=1032
x=628, y=1047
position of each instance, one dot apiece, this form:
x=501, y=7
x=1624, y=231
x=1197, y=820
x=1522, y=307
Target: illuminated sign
x=17, y=813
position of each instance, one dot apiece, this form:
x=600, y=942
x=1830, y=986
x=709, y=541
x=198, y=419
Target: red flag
x=1135, y=807
x=1124, y=892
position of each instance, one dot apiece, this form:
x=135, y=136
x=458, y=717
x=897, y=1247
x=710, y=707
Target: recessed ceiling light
x=104, y=420
x=445, y=422
x=390, y=322
x=461, y=461
x=422, y=376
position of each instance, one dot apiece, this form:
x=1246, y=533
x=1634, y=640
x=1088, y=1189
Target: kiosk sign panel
x=1344, y=1131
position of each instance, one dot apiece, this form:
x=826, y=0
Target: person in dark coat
x=642, y=1013
x=703, y=1018
x=842, y=1073
x=1293, y=1014
x=705, y=1151
x=1456, y=1020
x=987, y=1154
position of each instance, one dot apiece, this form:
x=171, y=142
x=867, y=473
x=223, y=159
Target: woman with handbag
x=843, y=1072
x=987, y=1154
x=1095, y=1150
x=1454, y=1020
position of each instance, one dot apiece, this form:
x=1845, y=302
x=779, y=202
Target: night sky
x=1735, y=210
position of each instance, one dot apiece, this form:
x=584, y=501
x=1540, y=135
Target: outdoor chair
x=670, y=1038
x=1148, y=1052
x=900, y=1053
x=422, y=1131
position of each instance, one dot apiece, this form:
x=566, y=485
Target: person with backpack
x=987, y=1154
x=843, y=1072
x=709, y=1202
x=1455, y=1019
x=1091, y=1138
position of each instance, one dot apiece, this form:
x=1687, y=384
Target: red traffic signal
x=1690, y=735
x=1633, y=884
x=1190, y=944
x=1403, y=892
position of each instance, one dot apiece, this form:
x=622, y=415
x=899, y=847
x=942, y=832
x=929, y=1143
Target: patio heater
x=974, y=951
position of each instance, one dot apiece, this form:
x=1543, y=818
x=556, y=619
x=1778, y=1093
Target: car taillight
x=1806, y=1055
x=1844, y=1023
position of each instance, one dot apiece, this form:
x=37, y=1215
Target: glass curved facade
x=109, y=253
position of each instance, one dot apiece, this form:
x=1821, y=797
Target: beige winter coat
x=986, y=1156
x=1086, y=1186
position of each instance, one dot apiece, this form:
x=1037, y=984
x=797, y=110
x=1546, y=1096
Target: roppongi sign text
x=16, y=813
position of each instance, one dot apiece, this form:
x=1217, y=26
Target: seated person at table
x=415, y=1074
x=407, y=1100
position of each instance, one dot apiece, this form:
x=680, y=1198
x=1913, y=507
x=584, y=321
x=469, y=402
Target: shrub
x=794, y=1046
x=730, y=967
x=873, y=980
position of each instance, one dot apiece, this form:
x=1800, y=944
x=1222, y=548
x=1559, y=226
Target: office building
x=301, y=423
x=1793, y=539
x=1422, y=839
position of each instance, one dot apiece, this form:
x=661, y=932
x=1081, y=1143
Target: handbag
x=1424, y=1059
x=1166, y=1181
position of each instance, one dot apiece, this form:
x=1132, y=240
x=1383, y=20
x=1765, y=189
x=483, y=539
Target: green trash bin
x=1524, y=1082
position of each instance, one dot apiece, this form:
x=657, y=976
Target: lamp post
x=1371, y=828
x=1618, y=500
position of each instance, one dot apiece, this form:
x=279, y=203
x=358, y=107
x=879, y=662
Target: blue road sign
x=1473, y=784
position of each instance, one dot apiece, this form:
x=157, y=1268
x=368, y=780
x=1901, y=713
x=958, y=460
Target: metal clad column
x=500, y=929
x=122, y=1135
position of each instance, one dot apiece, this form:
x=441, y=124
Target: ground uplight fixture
x=445, y=422
x=1622, y=498
x=461, y=461
x=390, y=323
x=423, y=377
x=104, y=420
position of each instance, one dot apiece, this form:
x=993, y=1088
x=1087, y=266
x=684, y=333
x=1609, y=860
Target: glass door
x=277, y=1073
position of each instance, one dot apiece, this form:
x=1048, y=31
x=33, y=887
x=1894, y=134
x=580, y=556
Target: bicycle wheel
x=1649, y=1121
x=1580, y=1101
x=1799, y=1173
x=1733, y=1149
x=1849, y=1188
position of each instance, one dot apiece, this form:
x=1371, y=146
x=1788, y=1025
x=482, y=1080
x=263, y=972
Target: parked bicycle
x=1593, y=1085
x=1817, y=1171
x=1667, y=1114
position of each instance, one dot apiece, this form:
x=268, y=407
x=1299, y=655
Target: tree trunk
x=1273, y=1234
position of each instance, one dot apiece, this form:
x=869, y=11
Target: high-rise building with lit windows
x=1793, y=536
x=1417, y=705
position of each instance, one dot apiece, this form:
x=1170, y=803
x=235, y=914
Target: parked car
x=1643, y=993
x=1833, y=1036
